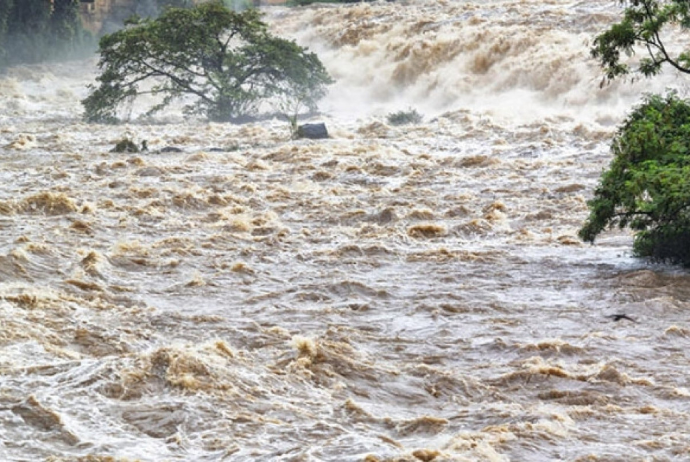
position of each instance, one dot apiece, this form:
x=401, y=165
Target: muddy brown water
x=389, y=294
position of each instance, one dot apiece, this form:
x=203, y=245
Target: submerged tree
x=647, y=185
x=227, y=62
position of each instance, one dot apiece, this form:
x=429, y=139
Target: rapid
x=394, y=293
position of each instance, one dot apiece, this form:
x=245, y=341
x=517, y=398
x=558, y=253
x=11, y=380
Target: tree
x=65, y=22
x=35, y=30
x=227, y=62
x=28, y=23
x=643, y=25
x=647, y=185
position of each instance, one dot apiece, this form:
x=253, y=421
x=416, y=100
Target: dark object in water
x=171, y=149
x=312, y=131
x=619, y=316
x=125, y=145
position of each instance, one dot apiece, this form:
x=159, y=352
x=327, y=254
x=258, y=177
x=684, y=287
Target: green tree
x=227, y=62
x=642, y=27
x=647, y=185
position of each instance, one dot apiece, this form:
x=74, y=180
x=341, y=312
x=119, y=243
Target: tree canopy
x=647, y=185
x=227, y=62
x=643, y=25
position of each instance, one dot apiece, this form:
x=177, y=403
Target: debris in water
x=619, y=316
x=125, y=145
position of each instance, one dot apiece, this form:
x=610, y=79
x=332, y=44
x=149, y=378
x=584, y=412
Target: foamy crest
x=507, y=59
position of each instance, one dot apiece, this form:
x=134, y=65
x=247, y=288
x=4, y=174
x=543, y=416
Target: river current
x=394, y=293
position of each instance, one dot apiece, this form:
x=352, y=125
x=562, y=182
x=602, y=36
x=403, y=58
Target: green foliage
x=411, y=116
x=5, y=10
x=36, y=30
x=293, y=126
x=642, y=25
x=226, y=61
x=647, y=186
x=65, y=23
x=28, y=31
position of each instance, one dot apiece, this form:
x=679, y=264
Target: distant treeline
x=34, y=30
x=37, y=30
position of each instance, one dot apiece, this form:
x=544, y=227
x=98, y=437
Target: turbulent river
x=412, y=293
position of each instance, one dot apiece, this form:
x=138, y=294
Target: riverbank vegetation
x=32, y=31
x=647, y=185
x=36, y=30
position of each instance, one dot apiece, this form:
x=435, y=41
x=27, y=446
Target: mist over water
x=389, y=294
x=509, y=60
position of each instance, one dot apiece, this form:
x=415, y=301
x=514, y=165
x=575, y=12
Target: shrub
x=411, y=116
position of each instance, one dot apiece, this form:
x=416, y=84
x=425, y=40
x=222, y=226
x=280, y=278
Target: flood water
x=412, y=293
